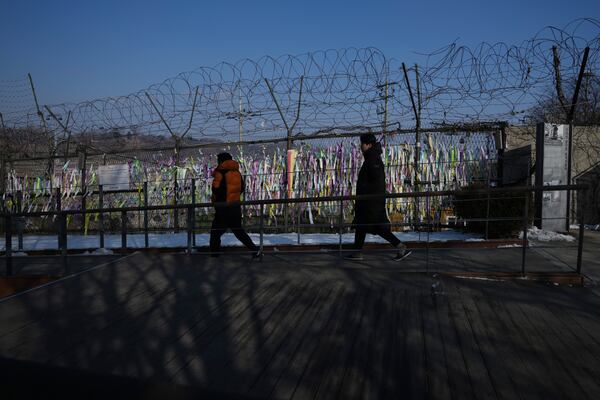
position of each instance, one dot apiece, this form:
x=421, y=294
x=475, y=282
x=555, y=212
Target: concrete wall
x=586, y=144
x=586, y=154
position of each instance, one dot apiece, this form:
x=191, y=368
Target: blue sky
x=81, y=50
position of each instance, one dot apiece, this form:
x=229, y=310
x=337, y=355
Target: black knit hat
x=368, y=138
x=223, y=157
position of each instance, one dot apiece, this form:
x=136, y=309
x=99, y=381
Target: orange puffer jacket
x=227, y=184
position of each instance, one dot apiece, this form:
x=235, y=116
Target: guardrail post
x=8, y=245
x=581, y=230
x=340, y=224
x=124, y=229
x=261, y=226
x=487, y=211
x=193, y=190
x=146, y=214
x=58, y=200
x=525, y=227
x=297, y=223
x=243, y=205
x=429, y=228
x=101, y=216
x=82, y=168
x=20, y=222
x=190, y=228
x=175, y=210
x=62, y=241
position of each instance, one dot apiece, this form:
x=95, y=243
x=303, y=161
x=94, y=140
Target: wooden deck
x=304, y=326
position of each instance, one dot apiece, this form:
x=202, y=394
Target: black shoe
x=354, y=257
x=402, y=255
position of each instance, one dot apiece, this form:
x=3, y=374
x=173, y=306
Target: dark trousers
x=229, y=218
x=361, y=233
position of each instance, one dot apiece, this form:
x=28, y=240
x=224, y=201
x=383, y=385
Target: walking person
x=227, y=187
x=369, y=214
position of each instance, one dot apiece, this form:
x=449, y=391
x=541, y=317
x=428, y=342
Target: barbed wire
x=334, y=90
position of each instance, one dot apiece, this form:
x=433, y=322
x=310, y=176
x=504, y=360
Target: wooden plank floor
x=295, y=329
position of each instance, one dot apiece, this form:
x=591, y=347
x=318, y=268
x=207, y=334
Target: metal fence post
x=62, y=241
x=487, y=212
x=124, y=229
x=525, y=227
x=101, y=216
x=581, y=230
x=297, y=223
x=59, y=228
x=340, y=224
x=429, y=228
x=20, y=221
x=193, y=190
x=190, y=228
x=175, y=210
x=261, y=226
x=82, y=168
x=146, y=214
x=58, y=199
x=8, y=245
x=244, y=204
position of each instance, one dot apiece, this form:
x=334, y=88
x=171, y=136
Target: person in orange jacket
x=227, y=187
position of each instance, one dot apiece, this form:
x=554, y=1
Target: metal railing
x=190, y=208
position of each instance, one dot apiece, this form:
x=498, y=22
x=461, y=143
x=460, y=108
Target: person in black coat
x=369, y=214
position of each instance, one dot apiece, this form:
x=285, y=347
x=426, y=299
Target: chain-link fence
x=315, y=167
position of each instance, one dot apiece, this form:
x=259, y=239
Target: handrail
x=190, y=207
x=437, y=193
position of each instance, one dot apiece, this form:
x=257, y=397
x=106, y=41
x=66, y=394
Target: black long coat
x=370, y=213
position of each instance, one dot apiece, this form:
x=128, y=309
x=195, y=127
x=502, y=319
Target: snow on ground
x=540, y=235
x=100, y=252
x=479, y=278
x=592, y=227
x=136, y=240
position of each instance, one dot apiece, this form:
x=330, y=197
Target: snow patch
x=508, y=246
x=540, y=235
x=169, y=240
x=100, y=252
x=479, y=278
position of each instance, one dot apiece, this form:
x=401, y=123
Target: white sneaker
x=403, y=252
